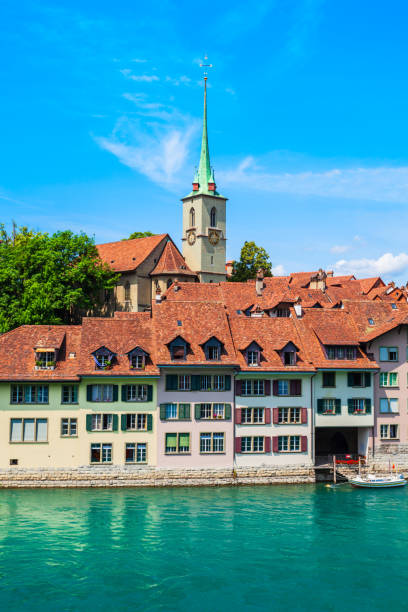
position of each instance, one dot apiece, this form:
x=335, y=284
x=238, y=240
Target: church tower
x=204, y=218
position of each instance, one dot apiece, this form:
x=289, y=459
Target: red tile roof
x=172, y=262
x=127, y=255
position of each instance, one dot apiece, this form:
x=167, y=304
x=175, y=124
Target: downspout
x=312, y=433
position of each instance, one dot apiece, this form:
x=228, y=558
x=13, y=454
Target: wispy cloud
x=137, y=60
x=377, y=184
x=141, y=78
x=386, y=265
x=339, y=248
x=181, y=80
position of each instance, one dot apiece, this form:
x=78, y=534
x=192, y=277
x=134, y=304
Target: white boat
x=374, y=481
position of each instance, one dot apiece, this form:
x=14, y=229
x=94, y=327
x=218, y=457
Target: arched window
x=213, y=217
x=127, y=291
x=169, y=283
x=192, y=217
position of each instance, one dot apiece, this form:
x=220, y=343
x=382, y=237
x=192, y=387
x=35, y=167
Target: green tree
x=50, y=279
x=139, y=235
x=252, y=258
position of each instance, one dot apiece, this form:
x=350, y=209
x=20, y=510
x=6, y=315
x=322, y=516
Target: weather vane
x=205, y=66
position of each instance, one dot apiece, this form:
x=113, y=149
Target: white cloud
x=137, y=60
x=385, y=265
x=278, y=270
x=181, y=80
x=339, y=248
x=376, y=184
x=141, y=78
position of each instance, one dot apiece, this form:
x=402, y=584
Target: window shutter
x=303, y=444
x=368, y=406
x=267, y=387
x=275, y=416
x=367, y=377
x=115, y=393
x=238, y=416
x=115, y=422
x=89, y=420
x=195, y=382
x=197, y=411
x=320, y=406
x=123, y=422
x=267, y=444
x=171, y=382
x=303, y=417
x=184, y=411
x=350, y=406
x=338, y=406
x=124, y=393
x=275, y=444
x=89, y=393
x=238, y=387
x=149, y=393
x=350, y=379
x=267, y=416
x=149, y=422
x=227, y=411
x=163, y=412
x=276, y=387
x=295, y=387
x=228, y=382
x=237, y=445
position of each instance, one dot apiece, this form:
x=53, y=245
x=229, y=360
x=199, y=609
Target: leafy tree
x=139, y=235
x=252, y=258
x=50, y=279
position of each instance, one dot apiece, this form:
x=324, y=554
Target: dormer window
x=341, y=352
x=45, y=359
x=253, y=358
x=252, y=354
x=103, y=358
x=178, y=349
x=213, y=353
x=289, y=358
x=212, y=349
x=137, y=358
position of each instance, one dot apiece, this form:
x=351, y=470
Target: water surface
x=251, y=548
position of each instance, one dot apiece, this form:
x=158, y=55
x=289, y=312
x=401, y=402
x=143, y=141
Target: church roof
x=126, y=255
x=172, y=262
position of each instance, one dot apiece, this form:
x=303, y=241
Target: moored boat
x=374, y=481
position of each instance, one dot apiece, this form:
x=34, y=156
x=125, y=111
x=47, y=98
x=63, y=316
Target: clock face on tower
x=213, y=237
x=191, y=238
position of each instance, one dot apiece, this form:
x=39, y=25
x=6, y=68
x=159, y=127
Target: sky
x=101, y=116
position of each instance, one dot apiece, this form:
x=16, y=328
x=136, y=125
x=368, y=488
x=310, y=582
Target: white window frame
x=184, y=382
x=216, y=442
x=102, y=422
x=71, y=426
x=136, y=393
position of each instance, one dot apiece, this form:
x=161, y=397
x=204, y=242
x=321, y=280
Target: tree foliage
x=252, y=258
x=50, y=279
x=139, y=235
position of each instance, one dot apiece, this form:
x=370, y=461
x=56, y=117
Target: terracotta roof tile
x=172, y=262
x=127, y=255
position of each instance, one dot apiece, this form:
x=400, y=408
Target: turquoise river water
x=251, y=548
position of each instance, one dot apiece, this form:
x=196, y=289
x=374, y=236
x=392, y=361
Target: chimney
x=259, y=284
x=298, y=307
x=158, y=295
x=318, y=281
x=329, y=273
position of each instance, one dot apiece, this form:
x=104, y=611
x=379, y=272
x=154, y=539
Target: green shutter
x=184, y=411
x=350, y=379
x=367, y=379
x=123, y=422
x=89, y=421
x=350, y=406
x=89, y=393
x=115, y=393
x=319, y=406
x=171, y=382
x=149, y=393
x=184, y=440
x=163, y=412
x=149, y=422
x=228, y=383
x=124, y=393
x=368, y=406
x=115, y=422
x=195, y=382
x=171, y=440
x=197, y=411
x=338, y=406
x=227, y=411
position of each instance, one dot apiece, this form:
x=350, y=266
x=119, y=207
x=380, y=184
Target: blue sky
x=101, y=115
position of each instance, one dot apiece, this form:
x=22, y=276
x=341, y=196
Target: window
x=389, y=432
x=192, y=217
x=358, y=379
x=101, y=453
x=371, y=321
x=289, y=357
x=341, y=352
x=393, y=306
x=168, y=285
x=253, y=358
x=69, y=428
x=137, y=361
x=329, y=379
x=136, y=422
x=388, y=379
x=205, y=411
x=45, y=360
x=389, y=404
x=29, y=394
x=213, y=353
x=136, y=453
x=102, y=393
x=253, y=387
x=103, y=359
x=218, y=411
x=283, y=387
x=136, y=393
x=282, y=313
x=177, y=443
x=388, y=353
x=289, y=416
x=359, y=406
x=69, y=394
x=184, y=383
x=102, y=422
x=171, y=411
x=252, y=444
x=219, y=383
x=252, y=415
x=211, y=443
x=258, y=387
x=288, y=444
x=178, y=351
x=329, y=406
x=127, y=291
x=213, y=217
x=205, y=383
x=28, y=430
